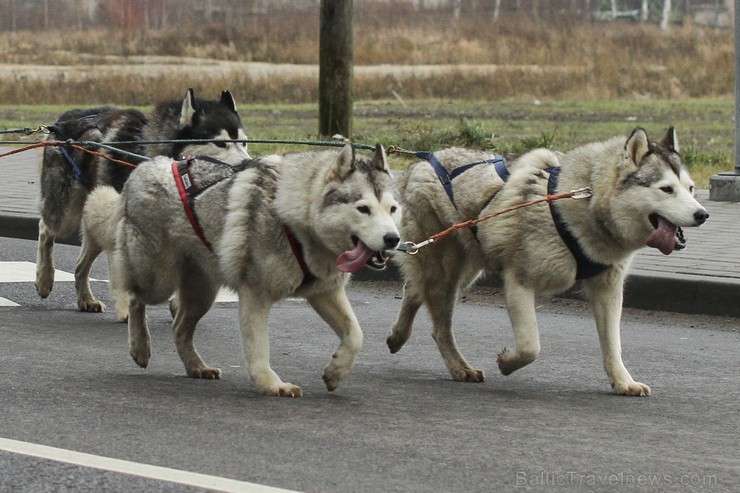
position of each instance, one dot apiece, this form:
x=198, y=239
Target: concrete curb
x=671, y=293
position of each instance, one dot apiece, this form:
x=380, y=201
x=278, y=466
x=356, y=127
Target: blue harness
x=585, y=266
x=446, y=178
x=77, y=173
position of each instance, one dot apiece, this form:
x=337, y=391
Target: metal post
x=737, y=87
x=725, y=187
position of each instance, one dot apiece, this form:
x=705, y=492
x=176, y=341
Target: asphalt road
x=397, y=423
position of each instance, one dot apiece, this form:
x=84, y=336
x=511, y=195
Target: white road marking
x=26, y=272
x=134, y=469
x=22, y=271
x=225, y=295
x=7, y=302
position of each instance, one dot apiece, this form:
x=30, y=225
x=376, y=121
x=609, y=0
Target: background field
x=506, y=87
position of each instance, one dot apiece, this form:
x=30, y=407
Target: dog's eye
x=667, y=189
x=393, y=209
x=220, y=144
x=364, y=209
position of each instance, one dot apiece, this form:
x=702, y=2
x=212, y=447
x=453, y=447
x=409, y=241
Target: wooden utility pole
x=336, y=61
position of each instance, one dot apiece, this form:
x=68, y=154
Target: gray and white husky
x=269, y=228
x=641, y=195
x=68, y=175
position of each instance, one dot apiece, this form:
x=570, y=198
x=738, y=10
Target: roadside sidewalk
x=702, y=279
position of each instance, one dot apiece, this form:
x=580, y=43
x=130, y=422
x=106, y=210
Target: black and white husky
x=68, y=175
x=641, y=194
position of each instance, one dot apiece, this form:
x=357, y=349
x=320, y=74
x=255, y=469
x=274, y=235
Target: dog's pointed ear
x=228, y=100
x=670, y=141
x=188, y=108
x=380, y=160
x=636, y=146
x=344, y=164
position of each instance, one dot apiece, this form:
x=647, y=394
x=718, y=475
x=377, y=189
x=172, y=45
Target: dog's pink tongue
x=353, y=260
x=663, y=237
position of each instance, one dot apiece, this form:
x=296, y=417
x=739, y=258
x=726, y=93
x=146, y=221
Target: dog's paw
x=333, y=374
x=283, y=390
x=467, y=374
x=331, y=380
x=122, y=317
x=510, y=361
x=141, y=354
x=394, y=342
x=206, y=373
x=44, y=287
x=289, y=390
x=91, y=306
x=631, y=388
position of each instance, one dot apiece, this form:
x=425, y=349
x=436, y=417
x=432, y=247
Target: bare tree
x=666, y=15
x=456, y=7
x=496, y=10
x=644, y=11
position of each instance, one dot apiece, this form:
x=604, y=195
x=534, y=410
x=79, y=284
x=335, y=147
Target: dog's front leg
x=606, y=302
x=253, y=315
x=520, y=301
x=335, y=309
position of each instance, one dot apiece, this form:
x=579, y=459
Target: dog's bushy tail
x=100, y=217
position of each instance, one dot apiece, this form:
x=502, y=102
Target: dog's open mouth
x=359, y=256
x=666, y=236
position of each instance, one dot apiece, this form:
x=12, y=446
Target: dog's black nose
x=391, y=240
x=700, y=217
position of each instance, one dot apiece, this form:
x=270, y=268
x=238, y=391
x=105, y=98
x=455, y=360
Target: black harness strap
x=585, y=266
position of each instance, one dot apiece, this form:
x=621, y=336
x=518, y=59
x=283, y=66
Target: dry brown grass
x=539, y=59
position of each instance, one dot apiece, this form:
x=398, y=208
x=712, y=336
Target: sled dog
x=68, y=174
x=641, y=194
x=269, y=228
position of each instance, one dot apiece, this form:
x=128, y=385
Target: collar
x=585, y=266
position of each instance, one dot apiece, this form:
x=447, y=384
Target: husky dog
x=268, y=228
x=68, y=175
x=641, y=195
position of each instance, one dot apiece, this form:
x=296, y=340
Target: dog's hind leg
x=606, y=301
x=401, y=330
x=440, y=301
x=520, y=301
x=254, y=310
x=86, y=301
x=140, y=342
x=45, y=261
x=118, y=294
x=336, y=310
x=194, y=298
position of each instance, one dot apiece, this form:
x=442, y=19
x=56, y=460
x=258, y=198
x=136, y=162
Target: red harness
x=188, y=190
